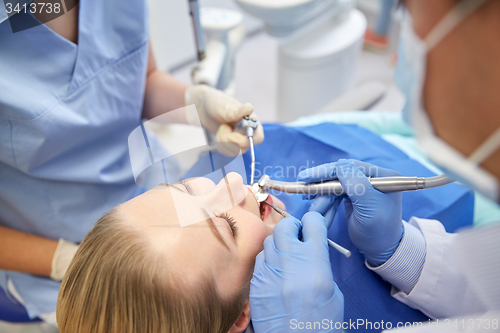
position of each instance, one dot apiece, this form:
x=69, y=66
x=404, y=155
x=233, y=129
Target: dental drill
x=382, y=184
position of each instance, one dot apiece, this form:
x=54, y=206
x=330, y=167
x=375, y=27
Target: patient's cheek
x=278, y=202
x=259, y=234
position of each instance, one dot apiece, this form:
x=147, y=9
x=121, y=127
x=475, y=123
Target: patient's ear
x=243, y=320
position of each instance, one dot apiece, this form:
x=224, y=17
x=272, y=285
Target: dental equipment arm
x=194, y=11
x=217, y=110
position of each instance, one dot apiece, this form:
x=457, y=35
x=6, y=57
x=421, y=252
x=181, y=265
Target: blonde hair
x=117, y=284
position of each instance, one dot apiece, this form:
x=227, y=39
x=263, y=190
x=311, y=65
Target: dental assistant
x=71, y=91
x=449, y=70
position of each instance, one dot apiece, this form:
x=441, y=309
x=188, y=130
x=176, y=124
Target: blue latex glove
x=293, y=282
x=374, y=218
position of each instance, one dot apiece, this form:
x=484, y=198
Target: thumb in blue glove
x=293, y=282
x=374, y=218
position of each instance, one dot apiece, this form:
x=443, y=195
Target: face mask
x=410, y=77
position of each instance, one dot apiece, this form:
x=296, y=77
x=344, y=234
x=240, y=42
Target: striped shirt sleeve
x=403, y=268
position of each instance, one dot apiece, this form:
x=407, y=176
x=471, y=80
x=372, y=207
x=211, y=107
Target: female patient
x=138, y=270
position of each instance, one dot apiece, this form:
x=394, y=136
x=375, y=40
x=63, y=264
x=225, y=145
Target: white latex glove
x=220, y=113
x=62, y=258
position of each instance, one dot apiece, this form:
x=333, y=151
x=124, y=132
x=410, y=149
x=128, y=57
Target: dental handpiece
x=331, y=243
x=247, y=126
x=383, y=184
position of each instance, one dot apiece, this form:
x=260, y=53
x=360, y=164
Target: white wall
x=172, y=34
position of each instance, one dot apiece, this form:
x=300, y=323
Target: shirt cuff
x=403, y=268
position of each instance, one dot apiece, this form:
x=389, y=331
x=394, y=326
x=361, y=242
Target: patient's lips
x=265, y=210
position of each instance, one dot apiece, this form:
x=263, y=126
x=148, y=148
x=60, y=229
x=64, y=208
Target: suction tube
x=383, y=184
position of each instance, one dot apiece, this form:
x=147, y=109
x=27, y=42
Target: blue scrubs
x=66, y=111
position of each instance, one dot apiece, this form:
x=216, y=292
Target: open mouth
x=265, y=210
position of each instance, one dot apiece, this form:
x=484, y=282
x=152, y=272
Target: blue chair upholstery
x=13, y=312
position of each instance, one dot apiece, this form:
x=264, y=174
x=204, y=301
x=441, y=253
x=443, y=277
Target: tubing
x=252, y=163
x=194, y=11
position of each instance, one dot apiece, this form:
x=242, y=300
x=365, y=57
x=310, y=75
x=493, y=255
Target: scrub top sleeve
x=410, y=250
x=442, y=290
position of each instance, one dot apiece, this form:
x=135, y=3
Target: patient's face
x=224, y=246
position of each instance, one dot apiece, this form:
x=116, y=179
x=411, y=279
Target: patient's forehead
x=152, y=216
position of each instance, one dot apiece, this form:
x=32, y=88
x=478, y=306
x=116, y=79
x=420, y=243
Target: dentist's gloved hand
x=65, y=252
x=293, y=281
x=374, y=218
x=220, y=113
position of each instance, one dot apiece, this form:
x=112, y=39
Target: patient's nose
x=202, y=186
x=233, y=186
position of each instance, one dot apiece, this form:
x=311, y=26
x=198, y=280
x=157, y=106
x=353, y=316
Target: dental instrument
x=383, y=184
x=331, y=243
x=247, y=126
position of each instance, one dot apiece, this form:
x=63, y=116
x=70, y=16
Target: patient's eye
x=231, y=221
